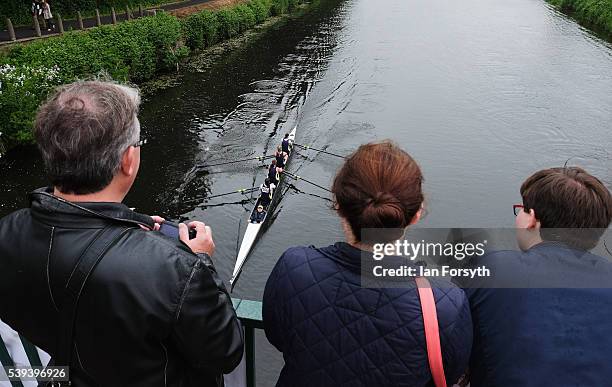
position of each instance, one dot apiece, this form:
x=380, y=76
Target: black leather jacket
x=152, y=313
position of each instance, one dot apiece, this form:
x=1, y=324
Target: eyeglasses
x=517, y=208
x=140, y=143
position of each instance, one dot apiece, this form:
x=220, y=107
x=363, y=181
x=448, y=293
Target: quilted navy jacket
x=555, y=331
x=333, y=332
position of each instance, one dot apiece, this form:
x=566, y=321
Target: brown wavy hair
x=378, y=187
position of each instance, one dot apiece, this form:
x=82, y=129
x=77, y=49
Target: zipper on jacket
x=48, y=264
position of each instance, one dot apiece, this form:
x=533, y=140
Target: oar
x=297, y=190
x=260, y=158
x=237, y=249
x=308, y=147
x=297, y=178
x=240, y=191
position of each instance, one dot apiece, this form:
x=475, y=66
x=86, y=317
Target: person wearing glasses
x=544, y=319
x=82, y=278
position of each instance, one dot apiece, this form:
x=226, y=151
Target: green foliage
x=229, y=23
x=595, y=13
x=133, y=51
x=200, y=29
x=280, y=7
x=260, y=9
x=19, y=10
x=22, y=88
x=130, y=51
x=247, y=17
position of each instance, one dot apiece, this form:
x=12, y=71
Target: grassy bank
x=595, y=14
x=134, y=51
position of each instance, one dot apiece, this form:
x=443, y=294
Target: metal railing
x=249, y=313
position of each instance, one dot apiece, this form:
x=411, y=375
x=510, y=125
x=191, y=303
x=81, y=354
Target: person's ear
x=129, y=161
x=532, y=221
x=417, y=217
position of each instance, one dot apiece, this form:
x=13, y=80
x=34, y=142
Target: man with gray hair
x=89, y=281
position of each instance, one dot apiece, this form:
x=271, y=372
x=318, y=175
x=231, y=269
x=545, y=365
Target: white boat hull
x=253, y=229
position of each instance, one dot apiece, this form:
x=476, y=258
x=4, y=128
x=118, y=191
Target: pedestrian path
x=24, y=32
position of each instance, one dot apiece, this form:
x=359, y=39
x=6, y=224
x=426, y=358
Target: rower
x=286, y=144
x=266, y=191
x=259, y=215
x=281, y=159
x=273, y=173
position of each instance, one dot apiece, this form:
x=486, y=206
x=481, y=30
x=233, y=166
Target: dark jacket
x=555, y=330
x=151, y=314
x=333, y=332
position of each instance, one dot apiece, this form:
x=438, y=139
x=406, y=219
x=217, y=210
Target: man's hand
x=158, y=221
x=203, y=242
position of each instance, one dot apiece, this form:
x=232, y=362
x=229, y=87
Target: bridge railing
x=249, y=313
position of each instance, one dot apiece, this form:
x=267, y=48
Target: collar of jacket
x=352, y=257
x=52, y=210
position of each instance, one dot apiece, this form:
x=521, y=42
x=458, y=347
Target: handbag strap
x=432, y=331
x=83, y=268
x=7, y=361
x=31, y=352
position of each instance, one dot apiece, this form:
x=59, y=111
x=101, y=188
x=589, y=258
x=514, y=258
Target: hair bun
x=384, y=210
x=382, y=198
x=378, y=187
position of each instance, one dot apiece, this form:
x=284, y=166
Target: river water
x=481, y=92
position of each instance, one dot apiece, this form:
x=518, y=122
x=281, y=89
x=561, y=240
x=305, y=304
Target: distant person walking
x=48, y=16
x=330, y=329
x=37, y=11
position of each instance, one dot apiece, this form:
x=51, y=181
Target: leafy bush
x=133, y=51
x=193, y=31
x=19, y=10
x=200, y=30
x=247, y=17
x=229, y=23
x=211, y=28
x=22, y=88
x=595, y=13
x=128, y=51
x=260, y=9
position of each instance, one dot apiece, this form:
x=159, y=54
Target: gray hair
x=82, y=132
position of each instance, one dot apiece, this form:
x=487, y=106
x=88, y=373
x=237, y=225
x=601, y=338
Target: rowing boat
x=254, y=229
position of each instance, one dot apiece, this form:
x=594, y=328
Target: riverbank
x=135, y=51
x=596, y=15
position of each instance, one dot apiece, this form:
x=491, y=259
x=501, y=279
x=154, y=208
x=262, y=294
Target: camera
x=171, y=229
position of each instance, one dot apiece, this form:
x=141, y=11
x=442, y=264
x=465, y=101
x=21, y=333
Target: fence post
x=11, y=29
x=37, y=26
x=249, y=353
x=140, y=10
x=60, y=23
x=80, y=20
x=98, y=21
x=113, y=15
x=127, y=12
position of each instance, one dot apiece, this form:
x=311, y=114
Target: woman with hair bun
x=334, y=332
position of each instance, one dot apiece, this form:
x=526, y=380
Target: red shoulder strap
x=432, y=331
